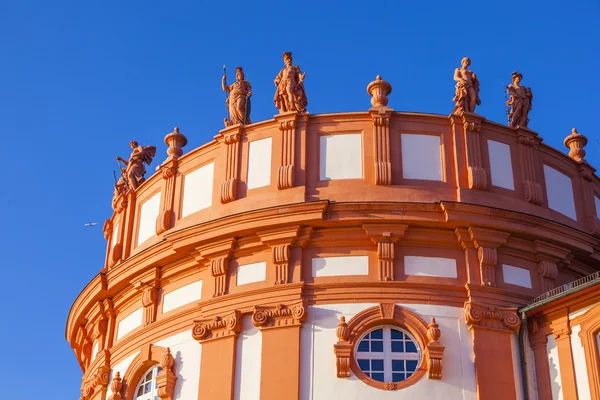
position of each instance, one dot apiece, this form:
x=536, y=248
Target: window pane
x=363, y=345
x=398, y=347
x=363, y=365
x=397, y=377
x=140, y=391
x=397, y=334
x=411, y=365
x=377, y=346
x=411, y=347
x=148, y=376
x=377, y=334
x=376, y=365
x=377, y=376
x=398, y=365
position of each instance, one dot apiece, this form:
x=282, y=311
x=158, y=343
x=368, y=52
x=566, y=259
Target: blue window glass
x=411, y=365
x=378, y=376
x=377, y=334
x=396, y=377
x=376, y=365
x=363, y=365
x=411, y=347
x=397, y=334
x=363, y=345
x=398, y=347
x=377, y=346
x=398, y=365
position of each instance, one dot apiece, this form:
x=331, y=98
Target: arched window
x=388, y=354
x=147, y=388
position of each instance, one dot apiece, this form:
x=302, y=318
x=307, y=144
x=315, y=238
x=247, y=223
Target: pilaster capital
x=217, y=327
x=390, y=233
x=279, y=316
x=491, y=317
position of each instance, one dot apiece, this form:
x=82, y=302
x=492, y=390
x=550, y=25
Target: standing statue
x=238, y=101
x=467, y=89
x=290, y=94
x=132, y=175
x=519, y=102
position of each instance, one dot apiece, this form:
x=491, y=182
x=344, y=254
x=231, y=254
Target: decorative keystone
x=379, y=90
x=576, y=142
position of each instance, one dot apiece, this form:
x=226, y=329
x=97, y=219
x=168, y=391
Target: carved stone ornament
x=279, y=315
x=97, y=382
x=116, y=386
x=166, y=380
x=485, y=316
x=379, y=91
x=467, y=88
x=427, y=337
x=576, y=143
x=519, y=102
x=238, y=101
x=217, y=327
x=132, y=175
x=290, y=94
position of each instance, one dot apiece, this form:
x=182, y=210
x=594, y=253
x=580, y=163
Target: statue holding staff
x=290, y=94
x=467, y=89
x=519, y=102
x=134, y=171
x=238, y=101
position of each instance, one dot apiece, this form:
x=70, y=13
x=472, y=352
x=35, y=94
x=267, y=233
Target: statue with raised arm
x=238, y=101
x=467, y=89
x=519, y=102
x=290, y=94
x=133, y=173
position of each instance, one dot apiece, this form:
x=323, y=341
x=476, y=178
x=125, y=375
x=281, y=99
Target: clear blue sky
x=79, y=79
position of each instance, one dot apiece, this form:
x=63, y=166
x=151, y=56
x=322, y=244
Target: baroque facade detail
x=217, y=327
x=279, y=316
x=487, y=316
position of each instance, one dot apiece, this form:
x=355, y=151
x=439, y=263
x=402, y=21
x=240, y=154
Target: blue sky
x=79, y=79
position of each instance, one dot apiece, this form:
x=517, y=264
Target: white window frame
x=153, y=393
x=387, y=355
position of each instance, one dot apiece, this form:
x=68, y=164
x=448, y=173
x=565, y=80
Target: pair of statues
x=467, y=95
x=289, y=95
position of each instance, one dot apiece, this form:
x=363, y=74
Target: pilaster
x=470, y=129
x=528, y=141
x=385, y=236
x=280, y=240
x=487, y=242
x=561, y=329
x=231, y=138
x=285, y=172
x=216, y=256
x=550, y=257
x=169, y=169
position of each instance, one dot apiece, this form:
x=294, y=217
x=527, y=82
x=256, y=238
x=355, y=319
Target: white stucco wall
x=554, y=365
x=187, y=353
x=148, y=215
x=501, y=165
x=340, y=156
x=560, y=192
x=182, y=296
x=516, y=276
x=95, y=349
x=430, y=266
x=115, y=235
x=259, y=163
x=339, y=266
x=421, y=157
x=581, y=373
x=250, y=273
x=581, y=311
x=248, y=361
x=318, y=370
x=129, y=323
x=121, y=368
x=197, y=189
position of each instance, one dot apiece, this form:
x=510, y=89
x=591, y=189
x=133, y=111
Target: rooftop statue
x=519, y=102
x=467, y=88
x=238, y=101
x=290, y=94
x=132, y=175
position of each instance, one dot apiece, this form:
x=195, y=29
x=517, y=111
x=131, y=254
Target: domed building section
x=369, y=254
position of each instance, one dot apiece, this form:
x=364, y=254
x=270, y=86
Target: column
x=538, y=339
x=380, y=114
x=561, y=330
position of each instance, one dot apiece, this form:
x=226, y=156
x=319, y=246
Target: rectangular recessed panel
x=501, y=165
x=559, y=188
x=247, y=361
x=250, y=273
x=340, y=157
x=340, y=266
x=115, y=235
x=129, y=323
x=597, y=203
x=182, y=296
x=430, y=266
x=516, y=276
x=259, y=163
x=197, y=190
x=148, y=215
x=421, y=157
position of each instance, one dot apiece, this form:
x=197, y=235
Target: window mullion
x=387, y=352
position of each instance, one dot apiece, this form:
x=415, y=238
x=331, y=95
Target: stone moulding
x=149, y=355
x=490, y=317
x=279, y=316
x=426, y=335
x=217, y=327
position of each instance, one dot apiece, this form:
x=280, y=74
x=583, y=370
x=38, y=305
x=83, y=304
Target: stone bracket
x=217, y=327
x=280, y=315
x=385, y=236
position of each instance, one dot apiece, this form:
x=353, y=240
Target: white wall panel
x=129, y=323
x=115, y=235
x=581, y=311
x=340, y=157
x=339, y=266
x=581, y=373
x=430, y=266
x=501, y=165
x=259, y=163
x=421, y=157
x=121, y=368
x=250, y=273
x=187, y=353
x=560, y=192
x=597, y=203
x=553, y=364
x=516, y=276
x=317, y=363
x=248, y=361
x=182, y=296
x=148, y=215
x=95, y=349
x=197, y=190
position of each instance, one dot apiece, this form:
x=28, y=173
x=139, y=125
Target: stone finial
x=116, y=384
x=379, y=90
x=576, y=142
x=176, y=141
x=342, y=331
x=433, y=331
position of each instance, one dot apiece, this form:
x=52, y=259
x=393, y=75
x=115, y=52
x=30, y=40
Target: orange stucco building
x=354, y=255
